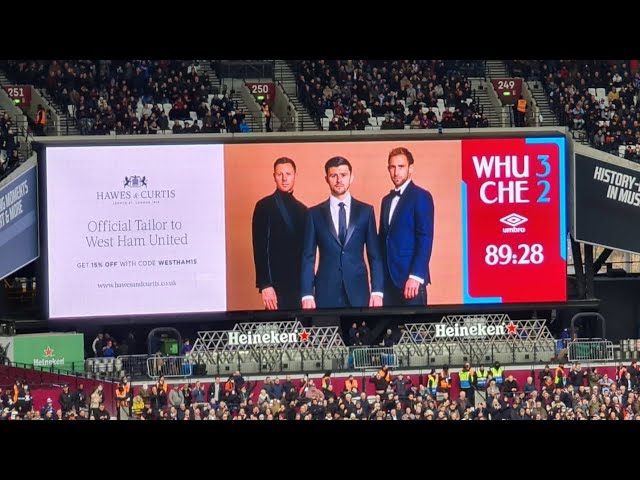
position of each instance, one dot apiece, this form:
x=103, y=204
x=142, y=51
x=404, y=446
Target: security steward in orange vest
x=41, y=120
x=521, y=110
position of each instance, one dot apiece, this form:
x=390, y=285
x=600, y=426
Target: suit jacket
x=406, y=243
x=341, y=265
x=277, y=241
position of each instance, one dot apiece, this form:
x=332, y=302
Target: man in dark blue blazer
x=406, y=234
x=340, y=228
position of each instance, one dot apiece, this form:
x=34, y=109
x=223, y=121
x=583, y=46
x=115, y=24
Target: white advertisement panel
x=135, y=230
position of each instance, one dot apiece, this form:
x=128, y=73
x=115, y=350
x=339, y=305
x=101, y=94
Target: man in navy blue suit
x=406, y=234
x=340, y=228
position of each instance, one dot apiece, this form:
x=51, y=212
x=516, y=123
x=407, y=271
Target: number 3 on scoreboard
x=543, y=198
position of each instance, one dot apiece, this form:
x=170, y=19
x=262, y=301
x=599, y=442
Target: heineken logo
x=48, y=359
x=266, y=338
x=480, y=330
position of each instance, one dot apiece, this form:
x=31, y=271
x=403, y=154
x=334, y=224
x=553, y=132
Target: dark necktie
x=342, y=223
x=397, y=193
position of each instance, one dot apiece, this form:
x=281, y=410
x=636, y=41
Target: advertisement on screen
x=135, y=230
x=19, y=222
x=306, y=226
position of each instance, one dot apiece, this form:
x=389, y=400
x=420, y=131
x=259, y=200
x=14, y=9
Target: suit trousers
x=287, y=299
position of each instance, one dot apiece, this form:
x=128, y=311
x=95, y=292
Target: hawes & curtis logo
x=135, y=181
x=135, y=188
x=48, y=358
x=513, y=220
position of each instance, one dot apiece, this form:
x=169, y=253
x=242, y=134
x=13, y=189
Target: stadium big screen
x=195, y=227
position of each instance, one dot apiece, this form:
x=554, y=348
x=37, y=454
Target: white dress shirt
x=396, y=199
x=394, y=204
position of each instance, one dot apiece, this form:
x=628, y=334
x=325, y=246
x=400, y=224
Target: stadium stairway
x=540, y=96
x=284, y=73
x=255, y=123
x=480, y=85
x=496, y=69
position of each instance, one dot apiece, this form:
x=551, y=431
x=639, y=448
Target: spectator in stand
x=198, y=395
x=96, y=399
x=145, y=393
x=186, y=348
x=102, y=413
x=401, y=386
x=543, y=375
x=48, y=407
x=137, y=406
x=364, y=332
x=576, y=376
x=65, y=400
x=510, y=387
x=108, y=350
x=387, y=339
x=529, y=387
x=176, y=397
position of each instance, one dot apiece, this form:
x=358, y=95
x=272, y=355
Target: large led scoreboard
x=167, y=225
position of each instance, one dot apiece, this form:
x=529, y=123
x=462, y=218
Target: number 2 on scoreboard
x=543, y=198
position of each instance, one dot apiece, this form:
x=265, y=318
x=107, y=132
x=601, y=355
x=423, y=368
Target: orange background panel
x=249, y=177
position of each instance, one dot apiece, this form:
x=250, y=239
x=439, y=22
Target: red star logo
x=511, y=328
x=304, y=336
x=48, y=352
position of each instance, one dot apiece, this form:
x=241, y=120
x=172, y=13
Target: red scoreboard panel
x=514, y=220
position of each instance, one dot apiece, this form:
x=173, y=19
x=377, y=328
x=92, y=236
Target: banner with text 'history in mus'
x=514, y=220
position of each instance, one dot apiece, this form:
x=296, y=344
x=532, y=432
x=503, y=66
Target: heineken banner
x=62, y=351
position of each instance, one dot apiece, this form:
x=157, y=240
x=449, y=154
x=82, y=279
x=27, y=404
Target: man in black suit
x=278, y=234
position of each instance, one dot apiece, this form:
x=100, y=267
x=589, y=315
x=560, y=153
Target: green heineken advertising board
x=62, y=351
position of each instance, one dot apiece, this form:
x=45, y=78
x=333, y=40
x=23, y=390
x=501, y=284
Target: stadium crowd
x=599, y=97
x=575, y=393
x=418, y=94
x=132, y=97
